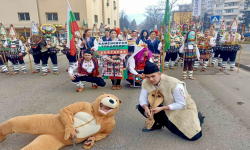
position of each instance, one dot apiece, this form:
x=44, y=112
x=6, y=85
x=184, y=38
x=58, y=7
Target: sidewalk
x=244, y=58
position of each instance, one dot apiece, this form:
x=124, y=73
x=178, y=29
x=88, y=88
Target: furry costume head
x=108, y=100
x=140, y=55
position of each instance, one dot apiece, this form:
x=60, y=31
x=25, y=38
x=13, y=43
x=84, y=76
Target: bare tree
x=172, y=4
x=124, y=22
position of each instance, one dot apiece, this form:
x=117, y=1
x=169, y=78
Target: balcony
x=231, y=7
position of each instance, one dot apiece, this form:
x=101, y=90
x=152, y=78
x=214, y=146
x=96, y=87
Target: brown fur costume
x=54, y=130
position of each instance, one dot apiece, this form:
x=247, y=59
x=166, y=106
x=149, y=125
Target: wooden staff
x=183, y=59
x=243, y=27
x=163, y=52
x=28, y=49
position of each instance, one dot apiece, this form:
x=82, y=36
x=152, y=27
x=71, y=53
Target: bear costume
x=54, y=130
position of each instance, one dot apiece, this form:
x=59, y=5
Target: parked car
x=246, y=34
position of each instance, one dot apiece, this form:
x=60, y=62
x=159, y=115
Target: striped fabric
x=16, y=67
x=184, y=73
x=224, y=64
x=190, y=74
x=79, y=84
x=166, y=64
x=5, y=69
x=55, y=67
x=37, y=66
x=23, y=67
x=232, y=64
x=45, y=68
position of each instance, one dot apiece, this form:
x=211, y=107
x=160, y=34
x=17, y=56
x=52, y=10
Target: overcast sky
x=135, y=8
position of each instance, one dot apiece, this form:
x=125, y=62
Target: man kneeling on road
x=87, y=71
x=175, y=110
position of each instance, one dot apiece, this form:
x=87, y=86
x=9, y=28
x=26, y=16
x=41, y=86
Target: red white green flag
x=72, y=27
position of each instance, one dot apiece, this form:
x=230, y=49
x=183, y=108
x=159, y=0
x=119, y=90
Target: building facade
x=228, y=9
x=20, y=13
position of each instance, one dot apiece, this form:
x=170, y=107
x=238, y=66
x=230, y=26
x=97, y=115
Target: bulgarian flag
x=72, y=27
x=166, y=24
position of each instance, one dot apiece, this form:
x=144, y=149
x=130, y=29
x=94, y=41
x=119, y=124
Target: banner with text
x=196, y=7
x=112, y=47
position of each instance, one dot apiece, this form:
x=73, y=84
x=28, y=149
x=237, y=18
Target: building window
x=23, y=34
x=218, y=11
x=24, y=16
x=231, y=4
x=77, y=16
x=219, y=5
x=96, y=18
x=108, y=20
x=114, y=22
x=52, y=17
x=229, y=17
x=231, y=10
x=114, y=5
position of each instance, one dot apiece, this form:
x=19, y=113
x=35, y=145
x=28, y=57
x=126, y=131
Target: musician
x=87, y=71
x=174, y=107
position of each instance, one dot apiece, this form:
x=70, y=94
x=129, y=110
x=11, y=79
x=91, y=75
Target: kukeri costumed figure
x=50, y=48
x=231, y=44
x=36, y=46
x=218, y=47
x=183, y=37
x=166, y=100
x=191, y=52
x=155, y=46
x=171, y=54
x=136, y=64
x=205, y=44
x=80, y=121
x=87, y=71
x=15, y=51
x=3, y=50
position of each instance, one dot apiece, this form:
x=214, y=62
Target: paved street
x=216, y=93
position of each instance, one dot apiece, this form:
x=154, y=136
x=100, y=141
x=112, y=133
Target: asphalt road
x=216, y=93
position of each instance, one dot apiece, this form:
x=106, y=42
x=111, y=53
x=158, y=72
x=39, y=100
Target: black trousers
x=217, y=53
x=72, y=59
x=162, y=119
x=118, y=82
x=172, y=56
x=225, y=55
x=97, y=80
x=45, y=58
x=37, y=58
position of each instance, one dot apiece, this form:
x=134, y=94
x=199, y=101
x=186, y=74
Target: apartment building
x=228, y=9
x=21, y=12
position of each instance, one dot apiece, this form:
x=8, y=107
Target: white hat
x=34, y=30
x=234, y=25
x=2, y=30
x=12, y=30
x=223, y=26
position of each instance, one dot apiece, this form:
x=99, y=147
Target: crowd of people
x=188, y=45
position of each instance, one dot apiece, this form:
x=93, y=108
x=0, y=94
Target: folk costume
x=171, y=54
x=229, y=50
x=35, y=46
x=136, y=64
x=131, y=47
x=124, y=37
x=218, y=47
x=184, y=32
x=144, y=38
x=87, y=71
x=106, y=38
x=94, y=30
x=155, y=46
x=191, y=53
x=51, y=41
x=65, y=50
x=120, y=71
x=16, y=51
x=181, y=116
x=3, y=50
x=205, y=45
x=91, y=43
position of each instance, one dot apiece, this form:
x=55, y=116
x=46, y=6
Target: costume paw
x=69, y=131
x=89, y=146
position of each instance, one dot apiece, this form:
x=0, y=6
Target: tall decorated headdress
x=198, y=26
x=178, y=29
x=184, y=29
x=234, y=25
x=12, y=31
x=173, y=28
x=107, y=29
x=2, y=32
x=35, y=38
x=191, y=37
x=48, y=29
x=223, y=26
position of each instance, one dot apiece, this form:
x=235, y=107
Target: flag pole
x=243, y=27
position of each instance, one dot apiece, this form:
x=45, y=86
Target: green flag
x=166, y=24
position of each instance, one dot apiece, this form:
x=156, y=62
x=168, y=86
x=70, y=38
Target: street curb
x=243, y=66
